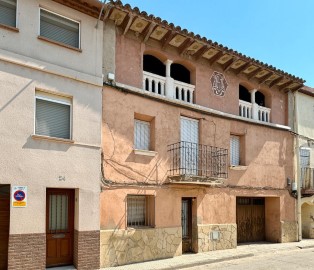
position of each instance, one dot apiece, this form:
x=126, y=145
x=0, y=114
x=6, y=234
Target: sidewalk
x=190, y=260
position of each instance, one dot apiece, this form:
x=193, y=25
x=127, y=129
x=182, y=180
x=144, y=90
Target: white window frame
x=134, y=139
x=65, y=17
x=231, y=153
x=52, y=97
x=16, y=17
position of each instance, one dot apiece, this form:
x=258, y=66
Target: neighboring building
x=50, y=133
x=196, y=142
x=304, y=129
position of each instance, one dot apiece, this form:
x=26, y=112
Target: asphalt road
x=291, y=259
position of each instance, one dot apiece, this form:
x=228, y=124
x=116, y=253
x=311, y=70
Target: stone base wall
x=119, y=247
x=86, y=250
x=289, y=231
x=226, y=235
x=27, y=251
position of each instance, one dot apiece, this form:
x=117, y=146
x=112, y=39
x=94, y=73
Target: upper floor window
x=53, y=115
x=8, y=12
x=142, y=135
x=234, y=150
x=60, y=29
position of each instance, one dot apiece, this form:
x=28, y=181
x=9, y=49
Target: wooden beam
x=275, y=81
x=215, y=57
x=240, y=69
x=229, y=63
x=264, y=79
x=250, y=76
x=284, y=85
x=200, y=52
x=186, y=44
x=168, y=38
x=129, y=23
x=108, y=8
x=149, y=31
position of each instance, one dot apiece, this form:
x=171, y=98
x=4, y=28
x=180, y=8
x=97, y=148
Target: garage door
x=4, y=224
x=250, y=219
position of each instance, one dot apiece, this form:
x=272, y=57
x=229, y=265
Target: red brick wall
x=86, y=250
x=27, y=251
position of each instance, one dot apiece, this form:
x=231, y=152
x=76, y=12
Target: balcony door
x=189, y=146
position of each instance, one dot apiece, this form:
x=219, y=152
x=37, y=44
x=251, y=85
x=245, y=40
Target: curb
x=210, y=261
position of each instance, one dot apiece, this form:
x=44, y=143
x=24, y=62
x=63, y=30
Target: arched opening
x=260, y=98
x=180, y=73
x=244, y=94
x=154, y=65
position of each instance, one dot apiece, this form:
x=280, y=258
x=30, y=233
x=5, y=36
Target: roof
x=188, y=43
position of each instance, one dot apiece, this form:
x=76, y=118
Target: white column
x=169, y=81
x=254, y=105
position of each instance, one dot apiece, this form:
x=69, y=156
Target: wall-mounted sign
x=219, y=83
x=19, y=196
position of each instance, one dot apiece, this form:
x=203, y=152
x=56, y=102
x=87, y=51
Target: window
x=53, y=116
x=8, y=12
x=140, y=210
x=141, y=135
x=234, y=150
x=59, y=28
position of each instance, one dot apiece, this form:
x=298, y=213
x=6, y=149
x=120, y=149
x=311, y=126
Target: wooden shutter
x=8, y=12
x=59, y=29
x=52, y=119
x=234, y=150
x=141, y=135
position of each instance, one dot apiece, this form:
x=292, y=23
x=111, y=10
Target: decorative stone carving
x=219, y=83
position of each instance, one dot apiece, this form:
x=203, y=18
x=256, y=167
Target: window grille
x=234, y=150
x=8, y=12
x=140, y=210
x=53, y=117
x=59, y=28
x=141, y=135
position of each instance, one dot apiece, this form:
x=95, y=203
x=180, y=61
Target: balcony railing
x=307, y=178
x=184, y=91
x=178, y=90
x=154, y=83
x=197, y=162
x=246, y=109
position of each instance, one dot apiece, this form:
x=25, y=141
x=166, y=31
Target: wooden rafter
x=186, y=44
x=129, y=23
x=150, y=30
x=168, y=37
x=200, y=52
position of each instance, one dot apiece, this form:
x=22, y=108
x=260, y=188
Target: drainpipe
x=297, y=151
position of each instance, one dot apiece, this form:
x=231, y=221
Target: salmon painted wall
x=129, y=67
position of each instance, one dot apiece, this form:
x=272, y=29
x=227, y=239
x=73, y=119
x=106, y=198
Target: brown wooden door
x=186, y=222
x=59, y=227
x=4, y=225
x=250, y=219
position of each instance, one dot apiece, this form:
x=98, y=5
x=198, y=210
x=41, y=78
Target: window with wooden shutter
x=141, y=135
x=53, y=116
x=8, y=12
x=59, y=28
x=234, y=150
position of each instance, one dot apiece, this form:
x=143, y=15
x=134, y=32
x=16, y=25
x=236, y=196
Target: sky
x=277, y=32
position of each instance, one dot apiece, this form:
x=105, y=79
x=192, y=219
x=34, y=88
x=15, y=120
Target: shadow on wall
x=45, y=145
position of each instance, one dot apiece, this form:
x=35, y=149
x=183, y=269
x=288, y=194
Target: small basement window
x=140, y=211
x=60, y=29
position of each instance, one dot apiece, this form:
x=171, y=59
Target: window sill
x=59, y=43
x=238, y=168
x=8, y=27
x=145, y=152
x=140, y=228
x=54, y=139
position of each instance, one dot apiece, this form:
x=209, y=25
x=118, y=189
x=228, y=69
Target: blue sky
x=276, y=32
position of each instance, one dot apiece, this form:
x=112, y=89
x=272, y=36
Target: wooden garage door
x=250, y=219
x=4, y=225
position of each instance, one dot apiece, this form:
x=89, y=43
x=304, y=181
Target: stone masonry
x=226, y=237
x=119, y=247
x=289, y=231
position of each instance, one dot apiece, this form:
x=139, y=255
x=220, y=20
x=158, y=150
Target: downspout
x=298, y=178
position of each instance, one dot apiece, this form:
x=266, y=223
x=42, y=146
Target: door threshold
x=68, y=267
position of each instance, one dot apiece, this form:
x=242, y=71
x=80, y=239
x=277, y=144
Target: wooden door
x=186, y=222
x=250, y=219
x=59, y=227
x=4, y=225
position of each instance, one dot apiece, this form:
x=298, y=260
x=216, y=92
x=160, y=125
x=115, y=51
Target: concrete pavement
x=190, y=260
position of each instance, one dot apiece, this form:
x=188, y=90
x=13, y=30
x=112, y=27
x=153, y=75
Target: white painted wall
x=26, y=64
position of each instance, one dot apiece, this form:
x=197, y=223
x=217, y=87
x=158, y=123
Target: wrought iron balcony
x=196, y=162
x=307, y=180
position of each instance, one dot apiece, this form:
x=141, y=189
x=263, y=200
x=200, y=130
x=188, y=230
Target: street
x=290, y=259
